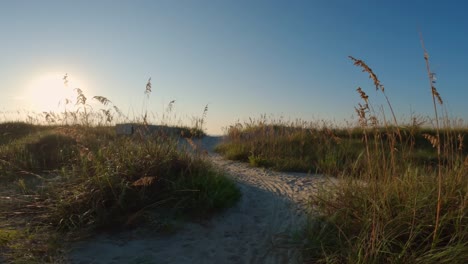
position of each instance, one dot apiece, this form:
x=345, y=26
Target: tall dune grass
x=403, y=190
x=396, y=212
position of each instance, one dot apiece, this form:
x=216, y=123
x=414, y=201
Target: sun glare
x=50, y=92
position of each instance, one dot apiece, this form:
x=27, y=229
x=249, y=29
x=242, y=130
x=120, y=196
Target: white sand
x=256, y=230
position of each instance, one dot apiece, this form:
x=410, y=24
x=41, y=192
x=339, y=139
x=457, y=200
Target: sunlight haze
x=49, y=92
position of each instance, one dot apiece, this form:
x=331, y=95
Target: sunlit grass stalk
x=435, y=96
x=378, y=87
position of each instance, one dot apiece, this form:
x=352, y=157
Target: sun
x=52, y=91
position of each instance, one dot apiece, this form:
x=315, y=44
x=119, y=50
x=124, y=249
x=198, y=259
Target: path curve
x=256, y=230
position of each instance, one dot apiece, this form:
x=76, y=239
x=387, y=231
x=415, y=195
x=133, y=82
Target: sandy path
x=256, y=230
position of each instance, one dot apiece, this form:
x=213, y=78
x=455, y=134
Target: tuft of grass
x=128, y=177
x=294, y=146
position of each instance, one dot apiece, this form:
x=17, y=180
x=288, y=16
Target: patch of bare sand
x=256, y=230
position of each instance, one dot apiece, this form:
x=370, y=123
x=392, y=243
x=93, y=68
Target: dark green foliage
x=14, y=130
x=51, y=152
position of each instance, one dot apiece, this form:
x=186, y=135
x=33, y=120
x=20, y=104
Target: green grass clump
x=129, y=175
x=286, y=146
x=40, y=152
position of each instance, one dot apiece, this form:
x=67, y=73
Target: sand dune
x=256, y=230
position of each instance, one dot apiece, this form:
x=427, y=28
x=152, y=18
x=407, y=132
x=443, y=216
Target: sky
x=241, y=58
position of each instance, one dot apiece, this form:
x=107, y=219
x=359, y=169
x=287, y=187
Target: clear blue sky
x=243, y=58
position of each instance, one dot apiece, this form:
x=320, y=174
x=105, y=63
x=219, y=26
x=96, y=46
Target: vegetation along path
x=256, y=230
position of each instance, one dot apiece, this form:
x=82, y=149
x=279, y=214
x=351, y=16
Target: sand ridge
x=256, y=230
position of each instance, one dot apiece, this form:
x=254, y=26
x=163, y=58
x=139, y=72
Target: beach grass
x=402, y=192
x=73, y=176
